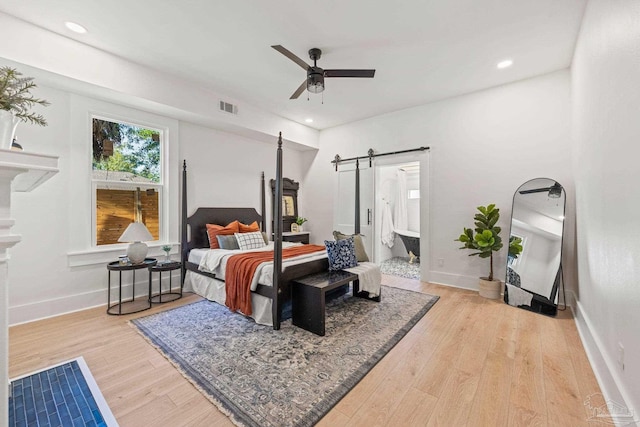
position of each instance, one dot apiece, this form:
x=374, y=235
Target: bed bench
x=308, y=297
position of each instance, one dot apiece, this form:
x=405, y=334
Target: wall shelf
x=35, y=168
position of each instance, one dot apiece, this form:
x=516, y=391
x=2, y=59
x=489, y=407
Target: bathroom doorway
x=397, y=225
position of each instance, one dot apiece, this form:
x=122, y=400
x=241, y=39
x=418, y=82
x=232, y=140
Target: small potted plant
x=167, y=250
x=16, y=102
x=484, y=240
x=297, y=225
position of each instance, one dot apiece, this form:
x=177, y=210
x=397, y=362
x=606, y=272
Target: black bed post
x=356, y=225
x=263, y=224
x=277, y=239
x=183, y=224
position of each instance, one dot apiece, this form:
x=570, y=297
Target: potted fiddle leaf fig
x=515, y=247
x=484, y=240
x=16, y=102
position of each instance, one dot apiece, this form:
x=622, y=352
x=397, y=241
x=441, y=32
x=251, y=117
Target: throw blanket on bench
x=242, y=267
x=369, y=276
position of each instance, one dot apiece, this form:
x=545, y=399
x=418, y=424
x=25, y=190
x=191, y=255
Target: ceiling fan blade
x=350, y=73
x=535, y=190
x=291, y=56
x=298, y=91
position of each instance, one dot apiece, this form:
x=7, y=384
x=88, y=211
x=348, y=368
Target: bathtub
x=411, y=240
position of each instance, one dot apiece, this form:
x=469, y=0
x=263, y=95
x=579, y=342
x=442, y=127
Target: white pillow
x=252, y=240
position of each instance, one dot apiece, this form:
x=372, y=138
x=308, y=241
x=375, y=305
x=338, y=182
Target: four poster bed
x=205, y=270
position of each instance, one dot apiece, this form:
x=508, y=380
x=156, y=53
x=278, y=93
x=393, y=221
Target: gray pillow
x=228, y=242
x=361, y=254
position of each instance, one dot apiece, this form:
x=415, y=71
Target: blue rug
x=63, y=395
x=265, y=378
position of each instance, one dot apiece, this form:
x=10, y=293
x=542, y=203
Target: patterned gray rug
x=290, y=377
x=399, y=266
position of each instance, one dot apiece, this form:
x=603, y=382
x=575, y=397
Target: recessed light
x=505, y=64
x=76, y=28
x=309, y=120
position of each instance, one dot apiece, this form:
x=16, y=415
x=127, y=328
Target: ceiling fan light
x=315, y=81
x=315, y=87
x=555, y=192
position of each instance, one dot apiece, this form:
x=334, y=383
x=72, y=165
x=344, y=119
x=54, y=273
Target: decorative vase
x=8, y=124
x=490, y=288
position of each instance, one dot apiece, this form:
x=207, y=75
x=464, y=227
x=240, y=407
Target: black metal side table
x=169, y=295
x=129, y=306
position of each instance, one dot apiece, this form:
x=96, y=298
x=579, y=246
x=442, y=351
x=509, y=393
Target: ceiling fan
x=315, y=75
x=555, y=191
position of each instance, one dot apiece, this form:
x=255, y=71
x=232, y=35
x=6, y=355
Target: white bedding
x=215, y=261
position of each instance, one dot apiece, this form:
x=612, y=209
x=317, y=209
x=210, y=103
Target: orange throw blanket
x=242, y=267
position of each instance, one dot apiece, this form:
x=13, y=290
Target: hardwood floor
x=469, y=361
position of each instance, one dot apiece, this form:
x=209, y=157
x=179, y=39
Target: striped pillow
x=253, y=240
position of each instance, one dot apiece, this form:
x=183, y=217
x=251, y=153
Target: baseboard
x=605, y=369
x=53, y=307
x=454, y=280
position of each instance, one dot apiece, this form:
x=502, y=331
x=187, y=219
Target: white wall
x=224, y=169
x=606, y=134
x=483, y=147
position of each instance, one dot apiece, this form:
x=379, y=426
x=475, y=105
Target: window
x=126, y=178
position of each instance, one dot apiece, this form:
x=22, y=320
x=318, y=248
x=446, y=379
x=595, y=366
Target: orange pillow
x=249, y=228
x=214, y=230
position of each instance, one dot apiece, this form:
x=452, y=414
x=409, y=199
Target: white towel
x=387, y=237
x=518, y=296
x=369, y=276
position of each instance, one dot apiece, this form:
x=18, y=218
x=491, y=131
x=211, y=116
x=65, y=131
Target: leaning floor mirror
x=534, y=267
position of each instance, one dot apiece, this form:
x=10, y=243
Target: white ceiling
x=422, y=50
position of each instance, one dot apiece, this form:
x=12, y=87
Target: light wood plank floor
x=469, y=361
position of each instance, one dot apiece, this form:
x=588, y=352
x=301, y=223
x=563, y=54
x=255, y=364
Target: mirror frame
x=540, y=305
x=289, y=189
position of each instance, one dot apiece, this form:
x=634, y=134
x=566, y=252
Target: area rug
x=399, y=266
x=62, y=395
x=291, y=377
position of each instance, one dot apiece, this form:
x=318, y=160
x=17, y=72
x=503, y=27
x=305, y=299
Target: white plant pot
x=490, y=288
x=8, y=124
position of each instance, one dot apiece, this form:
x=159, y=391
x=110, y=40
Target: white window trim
x=83, y=250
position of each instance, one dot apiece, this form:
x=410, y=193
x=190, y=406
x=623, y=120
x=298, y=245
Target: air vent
x=228, y=108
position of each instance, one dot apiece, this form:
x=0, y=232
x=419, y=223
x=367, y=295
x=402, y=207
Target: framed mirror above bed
x=289, y=202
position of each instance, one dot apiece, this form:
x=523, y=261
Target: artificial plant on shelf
x=15, y=96
x=300, y=220
x=16, y=102
x=484, y=240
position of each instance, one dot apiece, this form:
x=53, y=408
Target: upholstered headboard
x=221, y=216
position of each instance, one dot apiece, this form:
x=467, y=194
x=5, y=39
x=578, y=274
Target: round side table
x=168, y=295
x=131, y=305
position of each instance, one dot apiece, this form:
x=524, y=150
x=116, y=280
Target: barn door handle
x=368, y=216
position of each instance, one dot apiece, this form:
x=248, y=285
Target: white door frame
x=425, y=180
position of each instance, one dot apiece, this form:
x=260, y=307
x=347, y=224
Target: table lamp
x=136, y=233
